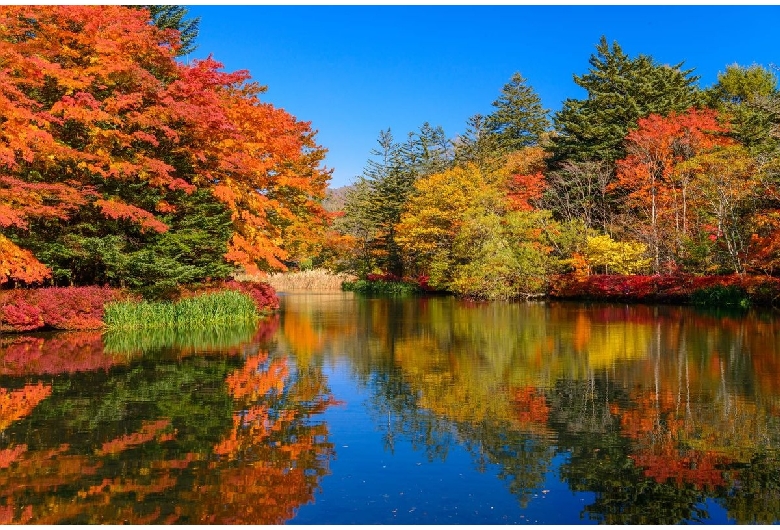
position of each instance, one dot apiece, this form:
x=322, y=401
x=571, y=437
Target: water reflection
x=657, y=408
x=658, y=413
x=163, y=436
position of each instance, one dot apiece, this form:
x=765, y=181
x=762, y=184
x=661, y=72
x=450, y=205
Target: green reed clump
x=224, y=307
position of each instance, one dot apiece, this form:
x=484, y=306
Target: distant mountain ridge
x=335, y=198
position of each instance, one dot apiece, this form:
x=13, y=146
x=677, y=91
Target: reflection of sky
x=371, y=485
x=648, y=379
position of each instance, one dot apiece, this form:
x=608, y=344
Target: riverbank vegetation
x=84, y=308
x=385, y=284
x=650, y=177
x=219, y=308
x=125, y=168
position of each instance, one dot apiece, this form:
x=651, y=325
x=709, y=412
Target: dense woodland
x=121, y=165
x=648, y=174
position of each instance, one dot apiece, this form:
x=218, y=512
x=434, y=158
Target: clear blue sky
x=353, y=71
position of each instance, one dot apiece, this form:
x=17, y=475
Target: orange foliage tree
x=658, y=195
x=93, y=101
x=527, y=182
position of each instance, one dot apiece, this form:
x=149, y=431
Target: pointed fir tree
x=519, y=118
x=620, y=91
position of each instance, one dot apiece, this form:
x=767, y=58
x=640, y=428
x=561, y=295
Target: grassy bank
x=218, y=308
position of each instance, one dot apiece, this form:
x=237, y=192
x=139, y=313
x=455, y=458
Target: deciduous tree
x=103, y=126
x=657, y=193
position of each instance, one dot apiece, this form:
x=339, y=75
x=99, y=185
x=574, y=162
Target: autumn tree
x=657, y=192
x=579, y=190
x=616, y=257
x=527, y=183
x=435, y=213
x=465, y=230
x=107, y=131
x=725, y=184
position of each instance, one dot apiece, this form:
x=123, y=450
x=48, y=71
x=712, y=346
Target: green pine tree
x=519, y=119
x=172, y=17
x=620, y=91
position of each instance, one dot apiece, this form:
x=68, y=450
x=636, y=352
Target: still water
x=342, y=409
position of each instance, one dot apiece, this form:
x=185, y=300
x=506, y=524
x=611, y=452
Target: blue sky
x=353, y=71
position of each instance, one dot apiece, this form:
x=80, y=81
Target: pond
x=342, y=409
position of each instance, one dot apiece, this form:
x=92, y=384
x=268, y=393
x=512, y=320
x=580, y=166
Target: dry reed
x=317, y=280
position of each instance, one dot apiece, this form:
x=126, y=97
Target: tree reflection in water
x=656, y=409
x=164, y=432
x=662, y=413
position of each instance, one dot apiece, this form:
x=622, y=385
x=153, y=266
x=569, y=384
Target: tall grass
x=223, y=307
x=316, y=280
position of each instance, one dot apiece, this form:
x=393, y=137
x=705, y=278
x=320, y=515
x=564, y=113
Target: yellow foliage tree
x=618, y=257
x=437, y=210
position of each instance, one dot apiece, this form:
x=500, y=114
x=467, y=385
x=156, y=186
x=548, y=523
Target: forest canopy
x=647, y=174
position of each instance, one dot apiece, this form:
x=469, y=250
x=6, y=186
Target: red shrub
x=75, y=307
x=422, y=282
x=19, y=315
x=67, y=308
x=672, y=289
x=262, y=294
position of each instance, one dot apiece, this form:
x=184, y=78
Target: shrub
x=380, y=287
x=732, y=290
x=263, y=294
x=19, y=315
x=64, y=308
